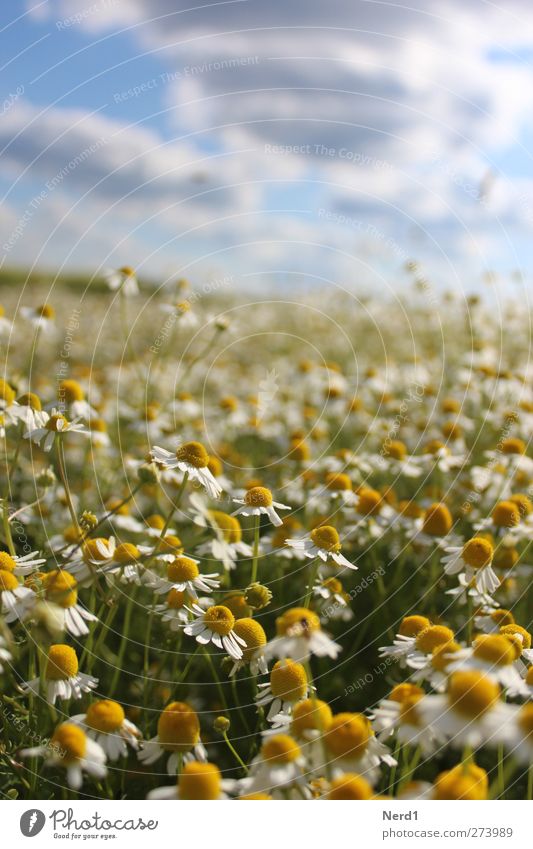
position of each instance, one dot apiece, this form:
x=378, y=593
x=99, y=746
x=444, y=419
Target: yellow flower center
x=219, y=619
x=98, y=425
x=350, y=787
x=502, y=617
x=338, y=482
x=412, y=625
x=517, y=631
x=471, y=693
x=435, y=446
x=410, y=509
x=61, y=663
x=215, y=466
x=288, y=680
x=255, y=797
x=176, y=599
x=60, y=587
x=524, y=504
x=156, y=522
x=440, y=657
x=228, y=525
x=182, y=569
x=297, y=622
x=199, y=781
x=326, y=537
x=311, y=714
x=178, y=728
x=30, y=399
x=238, y=605
x=333, y=585
x=408, y=710
x=280, y=749
x=477, y=552
x=464, y=781
x=253, y=635
x=432, y=637
x=6, y=392
x=126, y=552
x=370, y=501
x=437, y=520
x=258, y=496
x=194, y=454
x=529, y=676
x=396, y=449
x=8, y=581
x=494, y=649
x=56, y=423
x=506, y=557
x=525, y=719
x=127, y=271
x=91, y=550
x=6, y=562
x=70, y=741
x=71, y=391
x=105, y=716
x=46, y=311
x=513, y=446
x=348, y=734
x=401, y=692
x=450, y=405
x=506, y=515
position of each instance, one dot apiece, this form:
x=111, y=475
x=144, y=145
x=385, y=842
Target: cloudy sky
x=279, y=141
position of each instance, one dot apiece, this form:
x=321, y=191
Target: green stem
x=313, y=572
x=123, y=642
x=234, y=752
x=255, y=561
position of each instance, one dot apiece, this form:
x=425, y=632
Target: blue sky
x=306, y=139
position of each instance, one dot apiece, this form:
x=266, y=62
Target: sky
x=297, y=142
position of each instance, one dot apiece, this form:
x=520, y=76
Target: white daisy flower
x=323, y=542
x=22, y=565
x=178, y=734
x=258, y=501
x=475, y=558
x=279, y=767
x=228, y=545
x=53, y=425
x=183, y=575
x=351, y=745
x=105, y=722
x=174, y=611
x=196, y=781
x=16, y=600
x=299, y=635
x=71, y=749
x=60, y=590
x=495, y=655
x=190, y=458
x=288, y=685
x=42, y=317
x=468, y=713
x=216, y=625
x=61, y=676
x=416, y=640
x=123, y=279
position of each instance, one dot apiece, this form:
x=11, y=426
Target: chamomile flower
x=255, y=639
x=196, y=781
x=60, y=588
x=352, y=746
x=16, y=600
x=42, y=317
x=349, y=787
x=466, y=781
x=216, y=625
x=475, y=558
x=106, y=723
x=288, y=684
x=490, y=621
x=299, y=635
x=521, y=639
x=435, y=527
x=61, y=676
x=416, y=639
x=322, y=542
x=398, y=715
x=72, y=395
x=72, y=749
x=53, y=426
x=190, y=458
x=97, y=553
x=227, y=544
x=21, y=565
x=504, y=520
x=468, y=713
x=278, y=768
x=517, y=732
x=178, y=734
x=174, y=610
x=495, y=655
x=122, y=279
x=258, y=501
x=183, y=575
x=331, y=601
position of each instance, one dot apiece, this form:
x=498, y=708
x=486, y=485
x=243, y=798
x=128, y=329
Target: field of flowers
x=271, y=549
